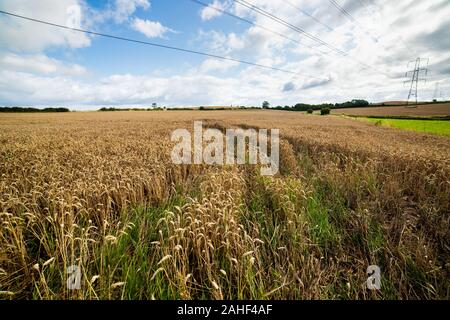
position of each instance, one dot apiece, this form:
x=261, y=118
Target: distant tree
x=325, y=111
x=301, y=107
x=310, y=111
x=355, y=103
x=55, y=110
x=266, y=105
x=154, y=105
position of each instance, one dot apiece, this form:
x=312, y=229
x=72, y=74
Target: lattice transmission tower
x=418, y=74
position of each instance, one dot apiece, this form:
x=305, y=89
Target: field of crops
x=99, y=191
x=441, y=109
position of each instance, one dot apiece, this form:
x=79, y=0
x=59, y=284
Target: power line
x=341, y=9
x=255, y=24
x=274, y=32
x=308, y=15
x=350, y=17
x=354, y=20
x=159, y=45
x=303, y=32
x=287, y=24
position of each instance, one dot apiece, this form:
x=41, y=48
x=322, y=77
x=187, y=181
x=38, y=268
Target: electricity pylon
x=417, y=73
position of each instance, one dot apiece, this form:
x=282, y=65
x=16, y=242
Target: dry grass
x=98, y=190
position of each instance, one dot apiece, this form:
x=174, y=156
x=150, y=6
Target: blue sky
x=105, y=56
x=43, y=66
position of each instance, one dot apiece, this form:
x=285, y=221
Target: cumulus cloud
x=22, y=35
x=390, y=36
x=114, y=90
x=210, y=12
x=222, y=43
x=288, y=86
x=438, y=39
x=123, y=9
x=151, y=29
x=39, y=64
x=214, y=65
x=315, y=83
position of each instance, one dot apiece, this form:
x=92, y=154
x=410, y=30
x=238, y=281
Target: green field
x=440, y=127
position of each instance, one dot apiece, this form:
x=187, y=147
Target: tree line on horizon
x=30, y=109
x=266, y=105
x=355, y=103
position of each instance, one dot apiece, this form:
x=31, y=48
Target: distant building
x=154, y=105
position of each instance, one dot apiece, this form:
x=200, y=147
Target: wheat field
x=99, y=191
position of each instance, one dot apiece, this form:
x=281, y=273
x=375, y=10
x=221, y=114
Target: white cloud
x=22, y=35
x=386, y=36
x=249, y=86
x=39, y=64
x=123, y=9
x=209, y=12
x=115, y=11
x=210, y=65
x=151, y=29
x=222, y=43
x=38, y=80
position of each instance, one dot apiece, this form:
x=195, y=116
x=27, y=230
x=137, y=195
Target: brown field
x=421, y=110
x=98, y=190
x=393, y=103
